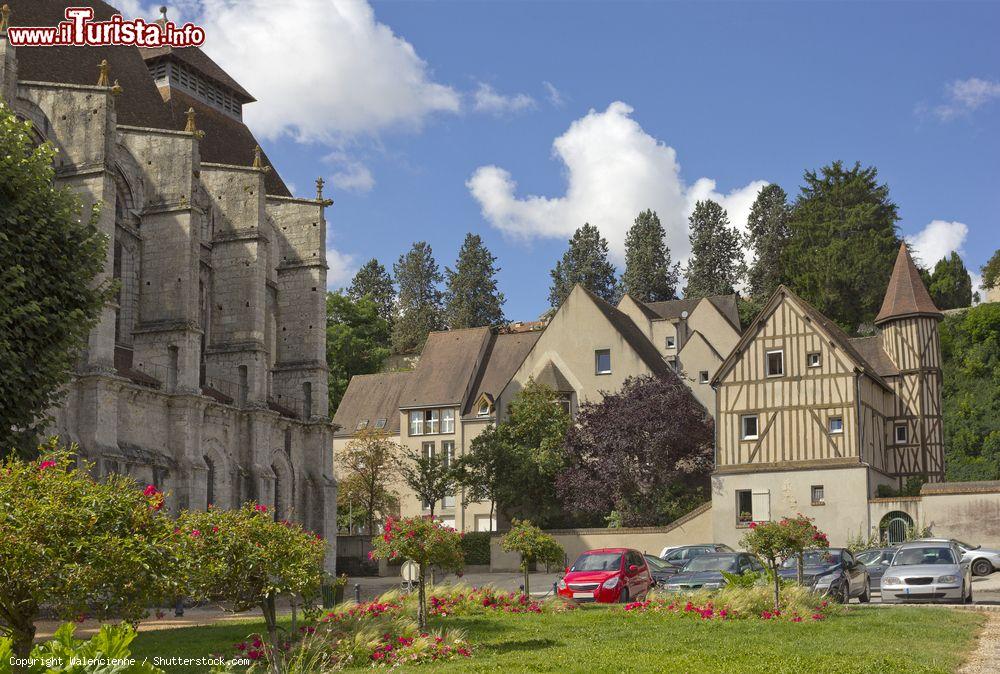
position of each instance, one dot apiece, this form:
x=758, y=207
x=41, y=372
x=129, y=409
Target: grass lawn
x=596, y=639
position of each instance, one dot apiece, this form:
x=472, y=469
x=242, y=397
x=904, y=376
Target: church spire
x=906, y=294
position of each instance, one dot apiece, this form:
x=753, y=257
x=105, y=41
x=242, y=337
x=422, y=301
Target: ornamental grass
x=798, y=604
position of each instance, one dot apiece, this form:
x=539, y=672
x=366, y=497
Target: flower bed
x=710, y=611
x=739, y=603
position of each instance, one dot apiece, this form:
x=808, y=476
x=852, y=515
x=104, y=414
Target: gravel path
x=986, y=658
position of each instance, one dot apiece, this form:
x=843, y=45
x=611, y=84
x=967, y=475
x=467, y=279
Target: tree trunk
x=798, y=573
x=492, y=510
x=271, y=620
x=23, y=637
x=421, y=601
x=527, y=568
x=777, y=585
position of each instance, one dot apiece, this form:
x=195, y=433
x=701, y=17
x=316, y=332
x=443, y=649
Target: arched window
x=210, y=486
x=895, y=527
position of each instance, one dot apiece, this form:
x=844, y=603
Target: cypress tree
x=420, y=312
x=472, y=299
x=716, y=266
x=585, y=262
x=648, y=276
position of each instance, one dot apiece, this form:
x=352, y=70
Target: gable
x=714, y=326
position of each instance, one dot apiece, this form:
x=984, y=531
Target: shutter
x=761, y=501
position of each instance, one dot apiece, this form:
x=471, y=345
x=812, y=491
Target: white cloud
x=350, y=174
x=555, y=96
x=614, y=170
x=342, y=266
x=487, y=99
x=322, y=70
x=937, y=240
x=965, y=96
x=977, y=285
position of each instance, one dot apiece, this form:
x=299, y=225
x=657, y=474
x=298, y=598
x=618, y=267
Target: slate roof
x=199, y=60
x=504, y=355
x=631, y=333
x=227, y=140
x=906, y=294
x=448, y=363
x=872, y=351
x=672, y=309
x=371, y=397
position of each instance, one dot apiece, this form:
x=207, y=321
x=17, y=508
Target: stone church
x=207, y=375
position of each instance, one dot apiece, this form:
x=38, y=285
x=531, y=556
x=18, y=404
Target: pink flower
x=241, y=646
x=215, y=530
x=46, y=464
x=260, y=508
x=149, y=490
x=817, y=616
x=254, y=654
x=195, y=533
x=797, y=619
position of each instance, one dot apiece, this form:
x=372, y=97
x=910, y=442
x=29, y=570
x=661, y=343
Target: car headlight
x=562, y=583
x=827, y=579
x=611, y=583
x=890, y=580
x=948, y=579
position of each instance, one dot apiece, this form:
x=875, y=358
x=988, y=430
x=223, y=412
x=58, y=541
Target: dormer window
x=484, y=409
x=380, y=423
x=171, y=73
x=362, y=425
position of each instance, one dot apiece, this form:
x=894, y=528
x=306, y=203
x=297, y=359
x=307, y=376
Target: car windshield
x=656, y=564
x=598, y=561
x=711, y=563
x=912, y=556
x=814, y=558
x=869, y=557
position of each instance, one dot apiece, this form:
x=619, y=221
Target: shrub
x=775, y=542
x=533, y=545
x=110, y=644
x=79, y=546
x=476, y=548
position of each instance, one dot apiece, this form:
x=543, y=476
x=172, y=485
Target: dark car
x=877, y=560
x=678, y=556
x=705, y=571
x=834, y=572
x=660, y=570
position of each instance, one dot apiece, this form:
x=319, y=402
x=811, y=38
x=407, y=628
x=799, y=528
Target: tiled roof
x=872, y=351
x=370, y=397
x=906, y=294
x=447, y=365
x=200, y=61
x=504, y=355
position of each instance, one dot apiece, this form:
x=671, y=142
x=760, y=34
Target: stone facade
x=207, y=375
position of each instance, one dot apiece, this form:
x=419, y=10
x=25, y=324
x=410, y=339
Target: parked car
x=876, y=559
x=705, y=571
x=659, y=570
x=833, y=571
x=678, y=555
x=923, y=571
x=982, y=562
x=607, y=575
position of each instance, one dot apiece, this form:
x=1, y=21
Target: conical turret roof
x=906, y=294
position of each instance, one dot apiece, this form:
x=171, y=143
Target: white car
x=982, y=561
x=927, y=571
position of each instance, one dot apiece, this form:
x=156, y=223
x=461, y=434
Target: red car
x=607, y=575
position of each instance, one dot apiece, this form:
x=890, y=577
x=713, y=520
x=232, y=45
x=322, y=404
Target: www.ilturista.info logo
x=80, y=30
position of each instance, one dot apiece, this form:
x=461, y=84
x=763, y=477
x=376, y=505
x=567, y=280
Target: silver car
x=981, y=560
x=927, y=571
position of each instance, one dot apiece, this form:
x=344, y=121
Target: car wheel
x=982, y=567
x=866, y=596
x=623, y=598
x=843, y=594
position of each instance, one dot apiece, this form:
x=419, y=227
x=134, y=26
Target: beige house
x=464, y=379
x=812, y=421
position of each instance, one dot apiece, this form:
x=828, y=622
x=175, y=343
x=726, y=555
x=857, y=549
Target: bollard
x=555, y=588
x=521, y=587
x=179, y=607
x=357, y=593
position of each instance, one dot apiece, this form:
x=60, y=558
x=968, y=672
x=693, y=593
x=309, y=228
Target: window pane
x=750, y=426
x=603, y=361
x=775, y=363
x=416, y=423
x=448, y=421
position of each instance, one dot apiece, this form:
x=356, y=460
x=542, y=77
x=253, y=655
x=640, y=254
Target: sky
x=520, y=121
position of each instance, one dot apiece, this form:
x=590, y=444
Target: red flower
x=195, y=533
x=149, y=490
x=46, y=464
x=260, y=508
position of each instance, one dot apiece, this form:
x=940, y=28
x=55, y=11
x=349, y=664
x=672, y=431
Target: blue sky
x=400, y=104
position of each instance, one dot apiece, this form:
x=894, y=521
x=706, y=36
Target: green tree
x=356, y=341
x=369, y=468
x=991, y=271
x=534, y=546
x=716, y=265
x=374, y=282
x=50, y=259
x=482, y=471
x=585, y=262
x=431, y=476
x=951, y=285
x=419, y=310
x=427, y=543
x=472, y=299
x=246, y=560
x=843, y=243
x=648, y=276
x=970, y=350
x=768, y=235
x=77, y=546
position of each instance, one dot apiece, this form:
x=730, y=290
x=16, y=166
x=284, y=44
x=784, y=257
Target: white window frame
x=906, y=434
x=743, y=427
x=448, y=459
x=380, y=423
x=448, y=421
x=812, y=494
x=739, y=521
x=484, y=409
x=809, y=359
x=597, y=361
x=416, y=423
x=829, y=424
x=432, y=421
x=671, y=342
x=703, y=377
x=362, y=425
x=767, y=362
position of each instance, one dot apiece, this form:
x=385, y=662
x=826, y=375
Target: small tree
x=246, y=560
x=774, y=542
x=534, y=545
x=78, y=546
x=803, y=535
x=427, y=543
x=430, y=476
x=482, y=471
x=369, y=467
